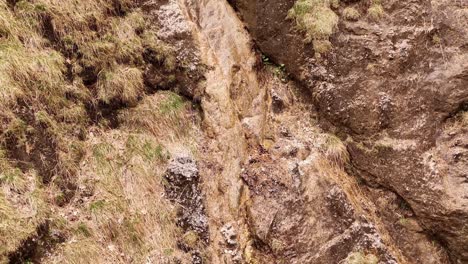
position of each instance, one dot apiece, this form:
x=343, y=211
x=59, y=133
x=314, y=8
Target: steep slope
x=171, y=132
x=80, y=166
x=391, y=82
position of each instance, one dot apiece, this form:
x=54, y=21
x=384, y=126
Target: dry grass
x=351, y=13
x=127, y=212
x=122, y=84
x=315, y=18
x=22, y=208
x=334, y=150
x=165, y=115
x=361, y=258
x=375, y=11
x=58, y=60
x=464, y=119
x=322, y=46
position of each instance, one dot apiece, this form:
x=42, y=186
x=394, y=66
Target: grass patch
x=122, y=84
x=83, y=230
x=315, y=18
x=96, y=206
x=18, y=222
x=351, y=14
x=173, y=103
x=136, y=145
x=127, y=211
x=375, y=11
x=162, y=114
x=13, y=177
x=334, y=150
x=361, y=258
x=60, y=62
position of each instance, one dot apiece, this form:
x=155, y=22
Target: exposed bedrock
x=394, y=88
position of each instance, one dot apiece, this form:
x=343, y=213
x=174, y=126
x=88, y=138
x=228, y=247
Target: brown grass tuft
x=315, y=18
x=122, y=85
x=351, y=13
x=60, y=60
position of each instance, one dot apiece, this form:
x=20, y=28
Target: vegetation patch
x=361, y=258
x=162, y=114
x=335, y=150
x=316, y=18
x=278, y=71
x=375, y=11
x=351, y=13
x=66, y=65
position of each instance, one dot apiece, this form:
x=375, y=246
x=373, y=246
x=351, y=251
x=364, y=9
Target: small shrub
x=436, y=39
x=278, y=71
x=351, y=13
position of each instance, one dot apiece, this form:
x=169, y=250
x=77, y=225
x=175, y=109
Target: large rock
x=390, y=85
x=182, y=178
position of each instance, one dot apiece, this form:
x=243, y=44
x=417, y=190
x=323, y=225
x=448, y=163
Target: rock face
x=391, y=86
x=274, y=145
x=182, y=187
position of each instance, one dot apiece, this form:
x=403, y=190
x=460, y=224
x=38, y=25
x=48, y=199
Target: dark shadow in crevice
x=35, y=247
